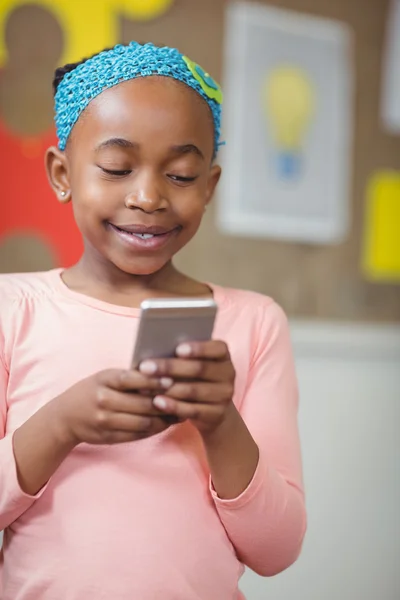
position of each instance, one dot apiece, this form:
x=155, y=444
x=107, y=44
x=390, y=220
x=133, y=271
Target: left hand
x=203, y=384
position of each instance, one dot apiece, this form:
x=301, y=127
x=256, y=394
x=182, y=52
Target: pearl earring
x=63, y=194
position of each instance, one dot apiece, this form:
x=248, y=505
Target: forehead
x=144, y=110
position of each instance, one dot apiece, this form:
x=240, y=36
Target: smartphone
x=166, y=323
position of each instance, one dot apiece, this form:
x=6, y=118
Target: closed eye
x=180, y=179
x=116, y=173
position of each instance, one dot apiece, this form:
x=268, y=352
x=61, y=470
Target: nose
x=146, y=195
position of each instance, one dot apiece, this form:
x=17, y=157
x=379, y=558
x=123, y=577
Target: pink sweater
x=141, y=521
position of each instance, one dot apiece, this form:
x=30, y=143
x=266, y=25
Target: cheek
x=92, y=197
x=189, y=203
x=87, y=207
x=190, y=209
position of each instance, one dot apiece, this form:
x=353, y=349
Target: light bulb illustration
x=288, y=99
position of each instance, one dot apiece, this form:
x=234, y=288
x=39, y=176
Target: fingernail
x=166, y=382
x=160, y=402
x=184, y=350
x=148, y=367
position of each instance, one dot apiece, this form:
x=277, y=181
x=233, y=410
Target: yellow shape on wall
x=288, y=101
x=381, y=259
x=88, y=25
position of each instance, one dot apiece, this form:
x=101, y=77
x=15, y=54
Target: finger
x=129, y=380
x=188, y=410
x=210, y=350
x=136, y=424
x=180, y=368
x=111, y=401
x=207, y=393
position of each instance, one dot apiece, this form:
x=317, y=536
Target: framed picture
x=391, y=71
x=287, y=124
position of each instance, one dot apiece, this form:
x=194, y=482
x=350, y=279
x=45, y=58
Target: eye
x=180, y=179
x=116, y=173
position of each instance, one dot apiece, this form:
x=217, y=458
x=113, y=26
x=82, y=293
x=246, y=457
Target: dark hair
x=61, y=71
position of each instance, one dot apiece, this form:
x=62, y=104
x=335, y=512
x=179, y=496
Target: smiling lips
x=142, y=237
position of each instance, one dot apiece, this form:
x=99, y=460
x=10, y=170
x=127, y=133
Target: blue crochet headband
x=121, y=63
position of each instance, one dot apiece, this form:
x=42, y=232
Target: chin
x=142, y=267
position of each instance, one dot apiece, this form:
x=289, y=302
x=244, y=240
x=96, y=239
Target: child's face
x=139, y=157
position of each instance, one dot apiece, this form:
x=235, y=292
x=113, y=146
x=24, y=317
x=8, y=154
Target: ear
x=213, y=178
x=57, y=173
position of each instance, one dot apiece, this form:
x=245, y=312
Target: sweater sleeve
x=13, y=501
x=267, y=522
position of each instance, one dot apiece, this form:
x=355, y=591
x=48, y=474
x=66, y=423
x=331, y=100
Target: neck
x=110, y=277
x=100, y=279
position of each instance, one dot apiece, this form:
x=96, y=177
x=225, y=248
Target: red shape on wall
x=27, y=202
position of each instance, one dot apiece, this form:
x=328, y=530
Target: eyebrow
x=118, y=142
x=188, y=149
x=127, y=144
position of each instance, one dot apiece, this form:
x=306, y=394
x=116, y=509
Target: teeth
x=144, y=236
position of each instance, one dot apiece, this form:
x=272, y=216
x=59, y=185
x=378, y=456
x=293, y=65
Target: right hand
x=111, y=407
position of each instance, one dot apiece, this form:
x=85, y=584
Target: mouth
x=143, y=237
x=143, y=231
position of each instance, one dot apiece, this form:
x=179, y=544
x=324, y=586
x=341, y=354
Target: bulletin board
x=309, y=280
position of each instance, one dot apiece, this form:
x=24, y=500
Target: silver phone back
x=166, y=323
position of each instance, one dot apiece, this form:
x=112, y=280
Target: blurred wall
x=349, y=379
x=309, y=281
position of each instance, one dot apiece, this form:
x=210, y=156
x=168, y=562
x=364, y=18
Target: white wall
x=350, y=427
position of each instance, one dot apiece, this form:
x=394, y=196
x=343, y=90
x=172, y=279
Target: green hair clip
x=209, y=86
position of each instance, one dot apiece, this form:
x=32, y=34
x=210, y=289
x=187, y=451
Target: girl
x=162, y=482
